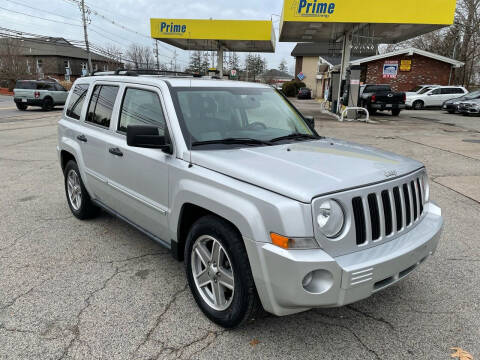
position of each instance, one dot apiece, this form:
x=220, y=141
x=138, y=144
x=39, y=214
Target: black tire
x=21, y=107
x=372, y=111
x=47, y=104
x=418, y=105
x=396, y=112
x=451, y=111
x=86, y=209
x=245, y=303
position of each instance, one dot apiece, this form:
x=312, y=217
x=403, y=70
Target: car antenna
x=190, y=164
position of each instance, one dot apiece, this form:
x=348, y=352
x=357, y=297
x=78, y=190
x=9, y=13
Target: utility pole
x=84, y=20
x=156, y=54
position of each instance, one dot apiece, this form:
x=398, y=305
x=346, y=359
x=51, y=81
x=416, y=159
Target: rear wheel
x=47, y=104
x=21, y=106
x=418, y=105
x=396, y=112
x=78, y=199
x=219, y=273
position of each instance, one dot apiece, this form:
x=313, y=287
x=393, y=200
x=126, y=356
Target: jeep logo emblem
x=390, y=173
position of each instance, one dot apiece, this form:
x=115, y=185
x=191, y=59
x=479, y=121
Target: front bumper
x=339, y=281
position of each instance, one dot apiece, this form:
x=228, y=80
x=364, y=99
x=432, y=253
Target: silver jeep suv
x=237, y=183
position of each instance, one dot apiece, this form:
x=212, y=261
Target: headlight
x=426, y=188
x=330, y=218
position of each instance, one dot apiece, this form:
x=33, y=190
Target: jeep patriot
x=238, y=184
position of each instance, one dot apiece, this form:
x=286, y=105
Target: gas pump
x=351, y=90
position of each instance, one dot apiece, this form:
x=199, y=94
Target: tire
x=82, y=208
x=239, y=303
x=372, y=111
x=451, y=111
x=21, y=107
x=47, y=104
x=418, y=105
x=396, y=112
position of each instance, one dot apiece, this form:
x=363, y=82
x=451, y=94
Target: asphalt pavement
x=101, y=290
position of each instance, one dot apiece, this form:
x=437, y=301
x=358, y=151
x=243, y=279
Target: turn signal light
x=293, y=243
x=280, y=240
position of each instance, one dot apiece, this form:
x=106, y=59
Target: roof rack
x=140, y=72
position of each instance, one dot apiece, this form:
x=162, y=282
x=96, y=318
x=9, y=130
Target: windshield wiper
x=296, y=136
x=233, y=141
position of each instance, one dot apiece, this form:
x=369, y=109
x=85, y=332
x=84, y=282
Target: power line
x=38, y=17
x=37, y=9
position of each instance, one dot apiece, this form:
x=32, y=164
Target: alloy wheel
x=74, y=189
x=212, y=272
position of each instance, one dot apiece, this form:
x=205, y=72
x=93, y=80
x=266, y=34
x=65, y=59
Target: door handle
x=115, y=151
x=82, y=138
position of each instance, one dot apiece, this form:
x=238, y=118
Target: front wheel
x=219, y=274
x=418, y=105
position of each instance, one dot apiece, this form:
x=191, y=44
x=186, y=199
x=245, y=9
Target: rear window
x=28, y=85
x=45, y=86
x=377, y=88
x=101, y=105
x=77, y=99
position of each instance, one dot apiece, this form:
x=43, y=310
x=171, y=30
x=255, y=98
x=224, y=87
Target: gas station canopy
x=387, y=21
x=212, y=35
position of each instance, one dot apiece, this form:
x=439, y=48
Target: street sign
x=301, y=76
x=233, y=73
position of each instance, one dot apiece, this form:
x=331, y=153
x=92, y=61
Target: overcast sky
x=136, y=14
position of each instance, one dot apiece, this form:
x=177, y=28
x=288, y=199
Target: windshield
x=473, y=95
x=425, y=90
x=254, y=115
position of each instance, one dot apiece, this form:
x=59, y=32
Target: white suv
x=434, y=97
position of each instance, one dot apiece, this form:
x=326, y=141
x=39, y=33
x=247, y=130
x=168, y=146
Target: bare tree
x=140, y=56
x=114, y=55
x=13, y=64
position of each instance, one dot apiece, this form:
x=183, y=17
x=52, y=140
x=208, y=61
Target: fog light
x=318, y=281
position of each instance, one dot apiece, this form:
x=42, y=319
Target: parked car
x=304, y=93
x=452, y=105
x=44, y=93
x=381, y=97
x=470, y=107
x=435, y=97
x=418, y=89
x=237, y=183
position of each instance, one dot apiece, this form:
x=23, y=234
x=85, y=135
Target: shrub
x=291, y=88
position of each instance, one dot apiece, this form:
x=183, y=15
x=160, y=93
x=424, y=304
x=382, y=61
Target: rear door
x=139, y=177
x=60, y=94
x=93, y=136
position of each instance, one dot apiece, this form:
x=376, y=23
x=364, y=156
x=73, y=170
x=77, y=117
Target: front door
x=139, y=176
x=434, y=98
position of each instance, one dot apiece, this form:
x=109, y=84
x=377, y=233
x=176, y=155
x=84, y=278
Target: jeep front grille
x=386, y=212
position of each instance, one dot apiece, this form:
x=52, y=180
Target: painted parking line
x=9, y=108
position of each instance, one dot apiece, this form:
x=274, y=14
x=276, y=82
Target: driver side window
x=141, y=107
x=436, y=92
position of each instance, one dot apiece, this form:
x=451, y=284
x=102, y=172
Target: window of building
x=101, y=105
x=141, y=107
x=74, y=108
x=96, y=67
x=67, y=64
x=105, y=67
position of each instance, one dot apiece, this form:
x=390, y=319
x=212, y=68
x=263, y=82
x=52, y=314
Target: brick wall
x=424, y=71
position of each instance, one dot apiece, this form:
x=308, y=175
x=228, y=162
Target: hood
x=305, y=170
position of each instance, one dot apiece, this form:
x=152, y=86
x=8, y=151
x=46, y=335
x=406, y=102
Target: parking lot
x=102, y=290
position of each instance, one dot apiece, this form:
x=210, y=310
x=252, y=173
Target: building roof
x=336, y=60
x=332, y=49
x=53, y=46
x=410, y=52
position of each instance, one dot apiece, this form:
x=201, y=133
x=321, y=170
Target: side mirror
x=310, y=120
x=144, y=136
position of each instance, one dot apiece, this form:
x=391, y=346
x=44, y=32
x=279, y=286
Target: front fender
x=238, y=210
